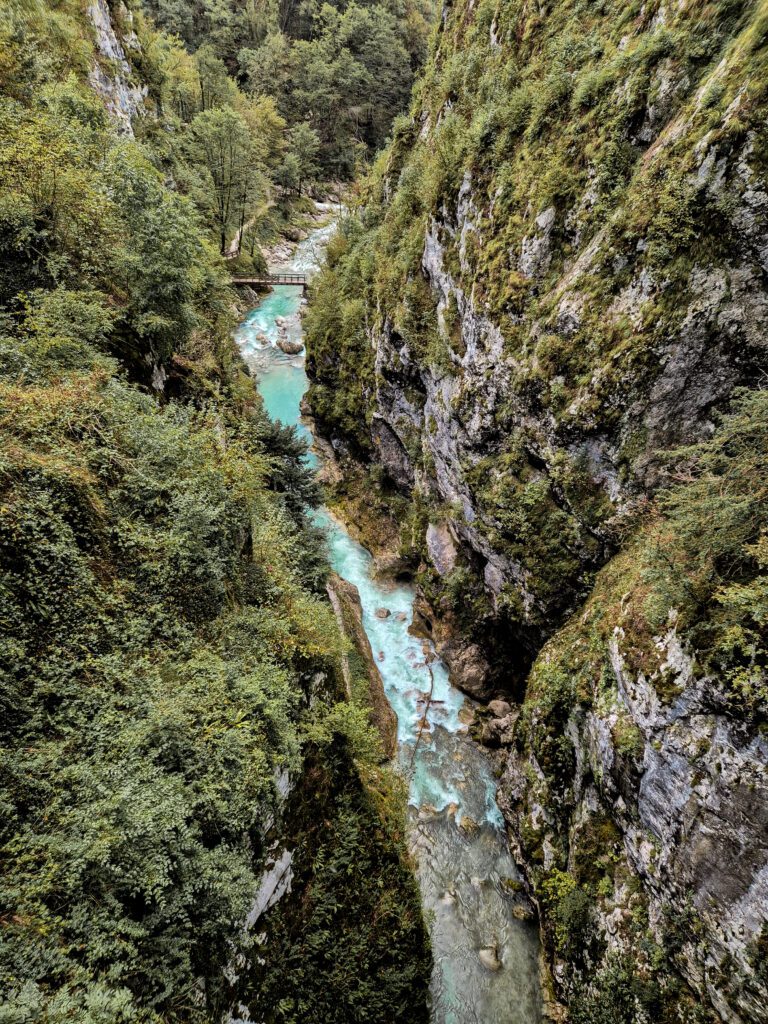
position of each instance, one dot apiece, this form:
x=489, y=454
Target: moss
x=532, y=843
x=594, y=850
x=627, y=738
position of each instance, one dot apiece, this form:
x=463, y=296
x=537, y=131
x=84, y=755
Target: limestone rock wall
x=112, y=76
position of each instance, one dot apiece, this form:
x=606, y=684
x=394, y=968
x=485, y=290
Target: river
x=485, y=955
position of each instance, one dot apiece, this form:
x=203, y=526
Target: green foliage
x=308, y=112
x=610, y=998
x=343, y=70
x=300, y=163
x=336, y=341
x=352, y=946
x=707, y=560
x=164, y=624
x=569, y=908
x=91, y=215
x=352, y=722
x=627, y=991
x=156, y=631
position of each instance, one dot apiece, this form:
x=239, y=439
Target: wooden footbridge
x=270, y=280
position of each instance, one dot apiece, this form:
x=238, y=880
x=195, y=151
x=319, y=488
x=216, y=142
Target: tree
x=163, y=262
x=304, y=145
x=268, y=68
x=220, y=139
x=216, y=87
x=266, y=126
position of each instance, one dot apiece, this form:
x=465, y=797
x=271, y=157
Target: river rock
x=401, y=617
x=291, y=348
x=489, y=958
x=491, y=733
x=383, y=613
x=499, y=731
x=468, y=667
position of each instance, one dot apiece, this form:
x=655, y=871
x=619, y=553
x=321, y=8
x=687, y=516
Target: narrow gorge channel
x=485, y=951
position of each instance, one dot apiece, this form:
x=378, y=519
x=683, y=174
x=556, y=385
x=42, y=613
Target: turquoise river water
x=485, y=957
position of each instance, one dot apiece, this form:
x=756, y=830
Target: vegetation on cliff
x=167, y=652
x=569, y=179
x=696, y=569
x=544, y=326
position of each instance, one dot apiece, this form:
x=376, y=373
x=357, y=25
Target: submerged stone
x=489, y=958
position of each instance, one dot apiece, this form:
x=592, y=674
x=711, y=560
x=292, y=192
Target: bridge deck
x=300, y=280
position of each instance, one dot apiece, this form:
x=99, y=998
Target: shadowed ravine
x=485, y=957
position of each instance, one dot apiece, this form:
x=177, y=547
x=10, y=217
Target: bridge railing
x=270, y=279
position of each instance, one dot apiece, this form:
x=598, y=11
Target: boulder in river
x=467, y=825
x=466, y=715
x=383, y=613
x=291, y=348
x=489, y=958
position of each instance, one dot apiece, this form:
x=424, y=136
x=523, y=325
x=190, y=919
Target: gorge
x=395, y=652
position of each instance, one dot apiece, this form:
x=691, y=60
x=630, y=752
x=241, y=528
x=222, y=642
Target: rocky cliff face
x=112, y=76
x=650, y=836
x=558, y=278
